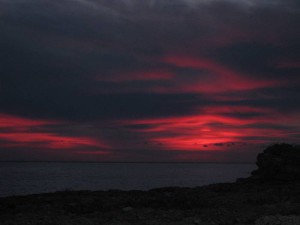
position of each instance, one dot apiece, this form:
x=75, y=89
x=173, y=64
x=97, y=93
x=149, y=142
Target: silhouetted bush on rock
x=279, y=161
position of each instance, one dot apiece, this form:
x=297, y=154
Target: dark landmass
x=271, y=196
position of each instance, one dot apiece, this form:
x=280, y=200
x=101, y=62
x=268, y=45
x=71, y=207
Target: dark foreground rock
x=257, y=201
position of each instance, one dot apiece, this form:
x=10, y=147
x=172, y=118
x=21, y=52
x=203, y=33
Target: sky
x=148, y=80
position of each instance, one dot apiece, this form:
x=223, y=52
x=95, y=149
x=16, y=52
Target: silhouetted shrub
x=280, y=161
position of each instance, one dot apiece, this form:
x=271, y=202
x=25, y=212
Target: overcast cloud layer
x=151, y=80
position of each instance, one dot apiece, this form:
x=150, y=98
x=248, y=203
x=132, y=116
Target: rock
x=196, y=221
x=267, y=220
x=278, y=220
x=279, y=161
x=127, y=209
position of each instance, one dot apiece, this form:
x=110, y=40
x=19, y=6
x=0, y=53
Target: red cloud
x=47, y=140
x=9, y=121
x=190, y=132
x=215, y=125
x=218, y=78
x=19, y=132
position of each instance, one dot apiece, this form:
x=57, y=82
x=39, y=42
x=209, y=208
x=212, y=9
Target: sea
x=24, y=178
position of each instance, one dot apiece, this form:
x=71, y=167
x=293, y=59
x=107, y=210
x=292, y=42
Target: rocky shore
x=271, y=196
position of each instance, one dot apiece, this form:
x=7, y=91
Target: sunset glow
x=147, y=80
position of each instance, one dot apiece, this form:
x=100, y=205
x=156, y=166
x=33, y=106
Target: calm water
x=31, y=178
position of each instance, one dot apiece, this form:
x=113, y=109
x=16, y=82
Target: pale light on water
x=31, y=178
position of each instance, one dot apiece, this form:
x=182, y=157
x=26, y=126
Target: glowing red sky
x=153, y=81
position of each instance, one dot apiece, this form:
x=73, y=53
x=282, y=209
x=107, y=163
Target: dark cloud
x=219, y=144
x=261, y=60
x=61, y=105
